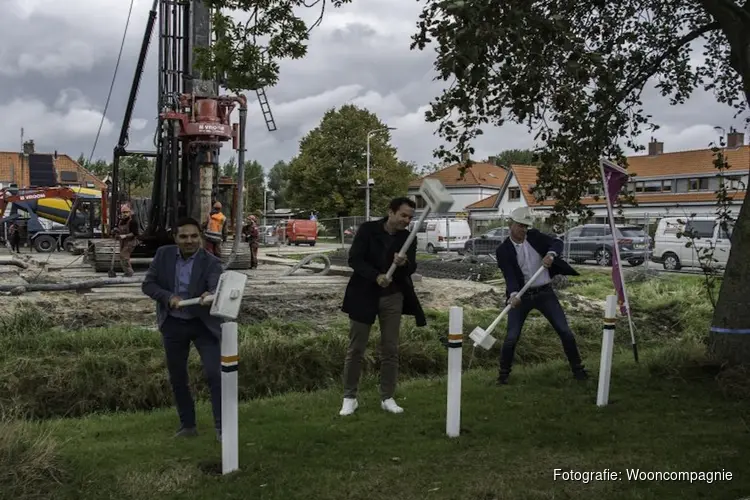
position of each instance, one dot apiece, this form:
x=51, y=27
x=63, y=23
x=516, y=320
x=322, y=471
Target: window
x=700, y=228
x=594, y=189
x=652, y=186
x=594, y=231
x=733, y=182
x=514, y=193
x=67, y=176
x=666, y=186
x=698, y=184
x=420, y=201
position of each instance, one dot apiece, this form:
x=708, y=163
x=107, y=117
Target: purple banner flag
x=614, y=179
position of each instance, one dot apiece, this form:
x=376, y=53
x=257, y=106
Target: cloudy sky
x=57, y=59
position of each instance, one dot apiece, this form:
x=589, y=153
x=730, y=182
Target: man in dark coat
x=371, y=294
x=178, y=272
x=519, y=257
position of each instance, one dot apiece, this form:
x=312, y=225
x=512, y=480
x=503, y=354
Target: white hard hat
x=523, y=216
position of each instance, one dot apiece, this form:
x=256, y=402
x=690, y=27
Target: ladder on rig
x=265, y=107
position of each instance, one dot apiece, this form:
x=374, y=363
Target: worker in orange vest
x=215, y=230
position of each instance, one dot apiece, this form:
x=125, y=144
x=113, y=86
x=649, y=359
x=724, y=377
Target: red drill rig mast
x=194, y=122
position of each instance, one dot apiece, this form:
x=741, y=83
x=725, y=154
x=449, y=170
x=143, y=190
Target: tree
x=517, y=157
x=255, y=185
x=236, y=54
x=100, y=168
x=229, y=168
x=328, y=175
x=136, y=172
x=574, y=71
x=278, y=182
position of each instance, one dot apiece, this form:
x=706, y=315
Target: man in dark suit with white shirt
x=179, y=272
x=519, y=257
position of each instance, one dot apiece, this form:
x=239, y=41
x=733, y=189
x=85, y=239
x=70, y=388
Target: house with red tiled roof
x=32, y=169
x=677, y=183
x=482, y=180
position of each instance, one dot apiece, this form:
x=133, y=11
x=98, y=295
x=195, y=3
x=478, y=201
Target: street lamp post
x=367, y=178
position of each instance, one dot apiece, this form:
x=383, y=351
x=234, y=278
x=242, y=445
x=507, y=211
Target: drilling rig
x=193, y=125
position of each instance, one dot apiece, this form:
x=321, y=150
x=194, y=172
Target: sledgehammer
x=438, y=200
x=482, y=337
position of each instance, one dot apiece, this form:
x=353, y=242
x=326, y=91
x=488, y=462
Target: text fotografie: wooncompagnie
x=641, y=475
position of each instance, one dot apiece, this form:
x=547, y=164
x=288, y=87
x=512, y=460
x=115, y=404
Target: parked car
x=297, y=231
x=595, y=242
x=706, y=232
x=487, y=243
x=442, y=234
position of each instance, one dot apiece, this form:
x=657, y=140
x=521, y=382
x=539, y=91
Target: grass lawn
x=297, y=447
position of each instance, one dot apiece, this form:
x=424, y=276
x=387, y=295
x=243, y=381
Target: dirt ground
x=302, y=296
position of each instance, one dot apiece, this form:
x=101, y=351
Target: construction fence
x=473, y=236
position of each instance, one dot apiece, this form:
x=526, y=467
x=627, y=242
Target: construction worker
x=519, y=257
x=370, y=294
x=127, y=233
x=215, y=230
x=15, y=238
x=253, y=238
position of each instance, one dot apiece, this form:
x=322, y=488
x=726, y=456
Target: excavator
x=81, y=211
x=194, y=122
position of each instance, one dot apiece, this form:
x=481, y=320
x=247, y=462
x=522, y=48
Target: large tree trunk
x=732, y=311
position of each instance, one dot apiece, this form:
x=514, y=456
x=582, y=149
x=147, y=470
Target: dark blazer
x=507, y=260
x=371, y=255
x=159, y=284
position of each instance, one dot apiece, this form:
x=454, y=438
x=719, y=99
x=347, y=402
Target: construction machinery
x=193, y=124
x=79, y=213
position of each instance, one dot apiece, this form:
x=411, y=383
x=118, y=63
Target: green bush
x=47, y=372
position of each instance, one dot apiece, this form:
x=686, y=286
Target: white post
x=608, y=339
x=229, y=410
x=455, y=353
x=367, y=181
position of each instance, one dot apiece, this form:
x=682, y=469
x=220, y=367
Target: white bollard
x=229, y=405
x=455, y=353
x=608, y=341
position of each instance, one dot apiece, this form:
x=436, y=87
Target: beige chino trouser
x=389, y=316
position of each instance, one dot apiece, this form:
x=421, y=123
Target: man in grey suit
x=180, y=272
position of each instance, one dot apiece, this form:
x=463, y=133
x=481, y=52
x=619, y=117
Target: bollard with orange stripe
x=608, y=340
x=229, y=405
x=455, y=358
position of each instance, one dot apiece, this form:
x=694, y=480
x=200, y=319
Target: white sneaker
x=391, y=406
x=350, y=404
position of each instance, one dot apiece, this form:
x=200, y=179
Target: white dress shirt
x=530, y=261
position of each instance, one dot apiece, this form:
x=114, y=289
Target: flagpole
x=617, y=251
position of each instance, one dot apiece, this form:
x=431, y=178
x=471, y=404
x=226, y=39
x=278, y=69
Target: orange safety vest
x=215, y=226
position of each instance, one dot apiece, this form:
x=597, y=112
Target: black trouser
x=544, y=300
x=176, y=337
x=15, y=244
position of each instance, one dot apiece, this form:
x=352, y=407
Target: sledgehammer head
x=228, y=297
x=481, y=338
x=436, y=196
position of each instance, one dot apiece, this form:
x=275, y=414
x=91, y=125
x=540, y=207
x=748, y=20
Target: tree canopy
x=574, y=71
x=328, y=175
x=278, y=183
x=246, y=52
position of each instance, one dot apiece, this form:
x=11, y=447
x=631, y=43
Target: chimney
x=464, y=157
x=492, y=160
x=28, y=147
x=655, y=147
x=735, y=139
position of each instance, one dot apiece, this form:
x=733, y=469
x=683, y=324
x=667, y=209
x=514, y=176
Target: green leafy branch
x=245, y=54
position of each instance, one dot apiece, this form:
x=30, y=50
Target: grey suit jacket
x=159, y=284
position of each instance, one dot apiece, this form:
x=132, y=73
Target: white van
x=437, y=235
x=671, y=252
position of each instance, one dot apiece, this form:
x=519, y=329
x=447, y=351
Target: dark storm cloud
x=359, y=55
